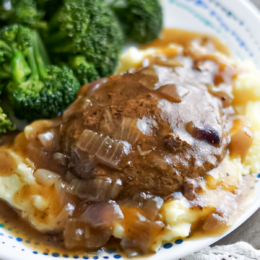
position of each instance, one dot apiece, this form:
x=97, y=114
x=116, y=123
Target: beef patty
x=157, y=130
x=154, y=129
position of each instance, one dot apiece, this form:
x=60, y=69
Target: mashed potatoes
x=37, y=202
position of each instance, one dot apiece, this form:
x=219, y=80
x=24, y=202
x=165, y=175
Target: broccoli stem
x=42, y=50
x=7, y=49
x=32, y=63
x=18, y=69
x=19, y=66
x=38, y=58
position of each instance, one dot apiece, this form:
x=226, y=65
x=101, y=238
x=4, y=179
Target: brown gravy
x=50, y=243
x=7, y=164
x=184, y=38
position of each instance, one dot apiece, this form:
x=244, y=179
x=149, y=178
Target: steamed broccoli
x=142, y=20
x=35, y=89
x=20, y=12
x=85, y=72
x=5, y=123
x=85, y=28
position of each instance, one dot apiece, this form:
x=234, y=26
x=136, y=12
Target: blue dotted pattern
x=168, y=245
x=215, y=15
x=110, y=251
x=240, y=21
x=179, y=241
x=224, y=12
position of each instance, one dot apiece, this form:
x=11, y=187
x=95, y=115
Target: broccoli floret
x=23, y=12
x=47, y=98
x=5, y=123
x=14, y=44
x=34, y=89
x=85, y=28
x=142, y=20
x=85, y=72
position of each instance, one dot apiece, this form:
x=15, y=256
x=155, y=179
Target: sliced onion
x=60, y=158
x=140, y=236
x=49, y=139
x=149, y=204
x=65, y=194
x=143, y=153
x=30, y=163
x=170, y=93
x=96, y=189
x=117, y=186
x=107, y=124
x=80, y=105
x=74, y=234
x=173, y=93
x=46, y=139
x=213, y=222
x=60, y=186
x=241, y=142
x=33, y=130
x=45, y=177
x=102, y=214
x=225, y=97
x=128, y=131
x=97, y=237
x=65, y=213
x=82, y=163
x=93, y=86
x=148, y=77
x=147, y=71
x=172, y=63
x=35, y=153
x=105, y=149
x=78, y=234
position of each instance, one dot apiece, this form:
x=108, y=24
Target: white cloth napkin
x=238, y=251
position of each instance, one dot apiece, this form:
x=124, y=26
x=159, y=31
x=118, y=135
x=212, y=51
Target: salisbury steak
x=152, y=130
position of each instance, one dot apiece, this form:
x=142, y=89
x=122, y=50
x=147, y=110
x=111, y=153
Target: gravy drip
x=185, y=38
x=8, y=164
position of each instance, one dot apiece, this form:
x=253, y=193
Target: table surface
x=249, y=231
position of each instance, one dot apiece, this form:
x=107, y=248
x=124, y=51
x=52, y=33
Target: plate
x=233, y=21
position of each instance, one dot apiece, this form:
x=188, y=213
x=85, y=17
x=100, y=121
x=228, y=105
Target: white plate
x=237, y=23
